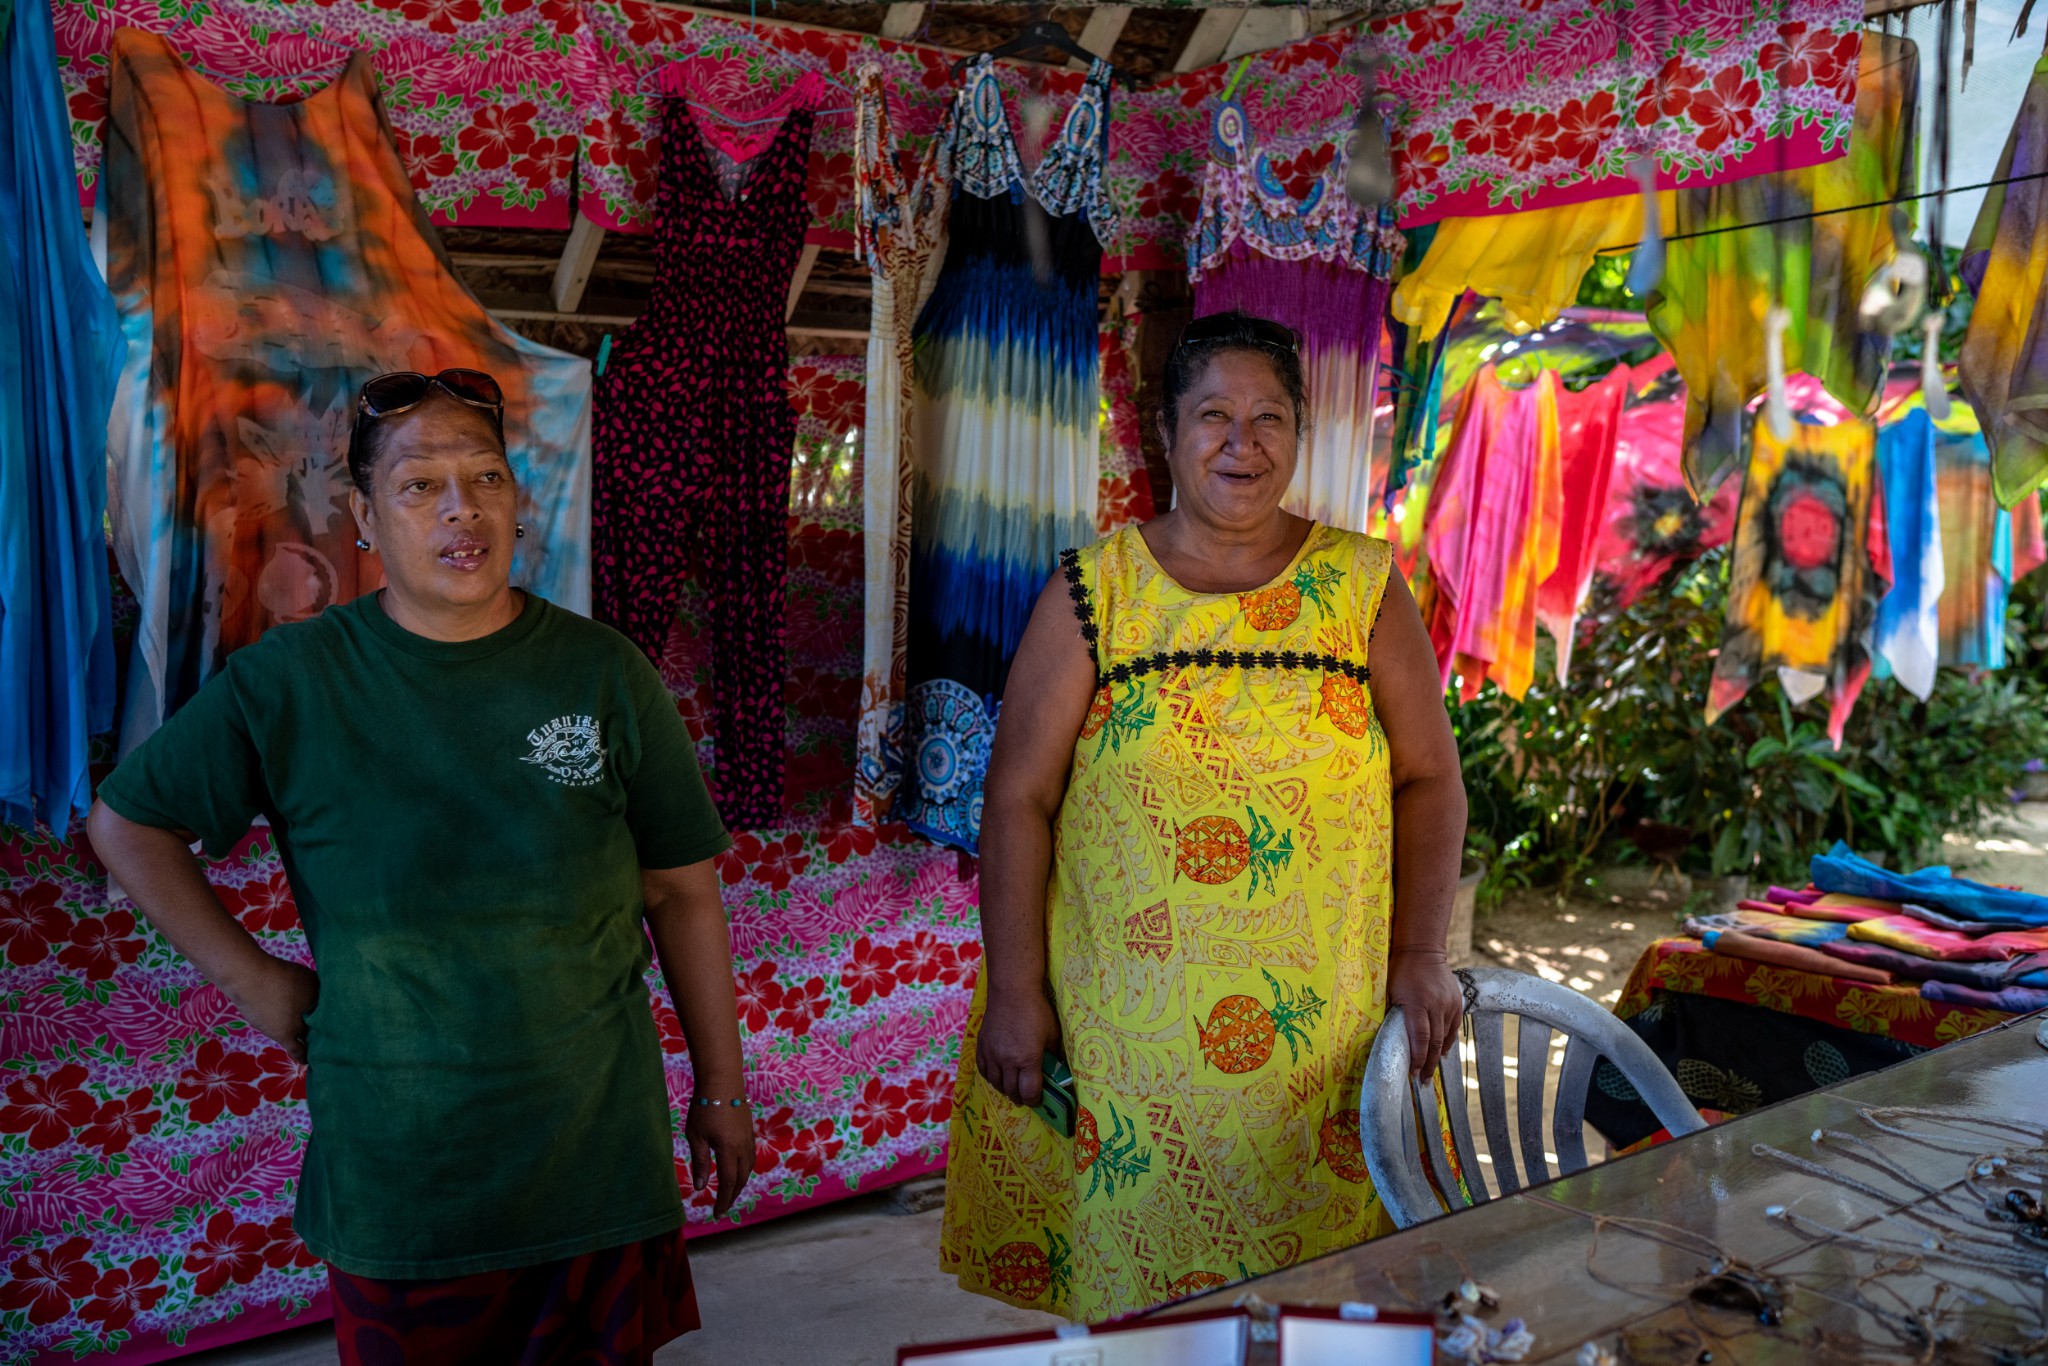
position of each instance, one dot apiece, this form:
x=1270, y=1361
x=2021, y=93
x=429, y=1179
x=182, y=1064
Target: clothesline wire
x=1828, y=213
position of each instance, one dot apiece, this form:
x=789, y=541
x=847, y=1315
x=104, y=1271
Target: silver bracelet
x=700, y=1100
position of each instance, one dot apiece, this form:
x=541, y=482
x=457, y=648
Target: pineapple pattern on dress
x=1217, y=923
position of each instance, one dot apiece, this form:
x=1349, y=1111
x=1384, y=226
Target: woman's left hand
x=724, y=1133
x=1420, y=981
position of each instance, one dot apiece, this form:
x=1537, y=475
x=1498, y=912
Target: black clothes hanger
x=1038, y=36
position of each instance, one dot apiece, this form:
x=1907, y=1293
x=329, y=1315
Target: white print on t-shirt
x=570, y=748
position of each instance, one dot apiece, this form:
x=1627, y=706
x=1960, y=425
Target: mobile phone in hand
x=1057, y=1103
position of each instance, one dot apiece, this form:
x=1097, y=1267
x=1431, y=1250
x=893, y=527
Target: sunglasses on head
x=1236, y=327
x=403, y=390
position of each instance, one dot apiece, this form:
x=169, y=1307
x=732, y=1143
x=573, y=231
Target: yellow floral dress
x=1218, y=921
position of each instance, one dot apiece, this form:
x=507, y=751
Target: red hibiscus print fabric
x=1726, y=109
x=229, y=1250
x=47, y=1108
x=458, y=78
x=43, y=1283
x=30, y=923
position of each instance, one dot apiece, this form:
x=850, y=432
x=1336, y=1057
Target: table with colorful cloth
x=1799, y=989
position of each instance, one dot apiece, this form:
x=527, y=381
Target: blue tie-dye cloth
x=60, y=348
x=1841, y=869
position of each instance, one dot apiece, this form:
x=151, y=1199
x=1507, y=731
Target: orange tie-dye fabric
x=1217, y=924
x=266, y=260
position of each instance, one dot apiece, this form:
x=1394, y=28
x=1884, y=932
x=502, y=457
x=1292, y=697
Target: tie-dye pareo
x=1651, y=521
x=1007, y=366
x=59, y=346
x=1492, y=533
x=1811, y=562
x=267, y=259
x=1908, y=631
x=2004, y=365
x=1709, y=309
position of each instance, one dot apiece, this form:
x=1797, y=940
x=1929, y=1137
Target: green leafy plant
x=1559, y=781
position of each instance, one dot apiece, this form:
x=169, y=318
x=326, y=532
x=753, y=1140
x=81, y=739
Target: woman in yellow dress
x=1216, y=846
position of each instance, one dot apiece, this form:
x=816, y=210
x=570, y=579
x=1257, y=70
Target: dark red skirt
x=607, y=1308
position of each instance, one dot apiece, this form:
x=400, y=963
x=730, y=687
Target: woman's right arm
x=158, y=870
x=1045, y=703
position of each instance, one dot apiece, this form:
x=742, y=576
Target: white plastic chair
x=1390, y=1099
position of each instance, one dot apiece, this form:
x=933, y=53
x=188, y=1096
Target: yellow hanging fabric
x=1532, y=262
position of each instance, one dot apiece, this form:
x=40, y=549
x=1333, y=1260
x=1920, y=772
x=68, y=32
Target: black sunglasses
x=403, y=390
x=1237, y=327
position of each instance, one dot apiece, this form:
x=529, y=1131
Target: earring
x=519, y=529
x=362, y=544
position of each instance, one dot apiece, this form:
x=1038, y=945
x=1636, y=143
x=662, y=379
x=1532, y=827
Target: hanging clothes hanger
x=1777, y=319
x=743, y=36
x=1042, y=35
x=1646, y=265
x=1933, y=386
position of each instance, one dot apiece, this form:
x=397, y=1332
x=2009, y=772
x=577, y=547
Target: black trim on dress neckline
x=1084, y=612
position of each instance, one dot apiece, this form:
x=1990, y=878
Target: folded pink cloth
x=1918, y=937
x=1785, y=896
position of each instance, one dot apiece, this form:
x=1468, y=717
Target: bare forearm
x=158, y=870
x=695, y=950
x=1429, y=843
x=1016, y=864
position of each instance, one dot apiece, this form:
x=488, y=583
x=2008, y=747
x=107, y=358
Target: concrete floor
x=848, y=1284
x=841, y=1286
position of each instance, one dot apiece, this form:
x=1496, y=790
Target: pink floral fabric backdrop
x=1495, y=105
x=1509, y=104
x=482, y=93
x=150, y=1141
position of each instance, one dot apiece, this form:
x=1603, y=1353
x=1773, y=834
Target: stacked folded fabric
x=1961, y=942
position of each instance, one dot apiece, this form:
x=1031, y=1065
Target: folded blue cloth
x=1949, y=922
x=2017, y=1000
x=1841, y=869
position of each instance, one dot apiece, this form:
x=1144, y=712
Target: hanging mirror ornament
x=1369, y=168
x=1896, y=293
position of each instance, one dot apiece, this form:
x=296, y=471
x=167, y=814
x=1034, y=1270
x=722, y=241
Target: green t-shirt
x=464, y=825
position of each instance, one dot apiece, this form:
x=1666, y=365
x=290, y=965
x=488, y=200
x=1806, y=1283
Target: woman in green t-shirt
x=486, y=805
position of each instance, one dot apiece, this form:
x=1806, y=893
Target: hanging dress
x=1217, y=926
x=2004, y=363
x=1007, y=374
x=902, y=235
x=1320, y=265
x=1811, y=561
x=60, y=348
x=266, y=260
x=694, y=431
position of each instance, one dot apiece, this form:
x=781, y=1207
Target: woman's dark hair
x=368, y=437
x=1209, y=336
